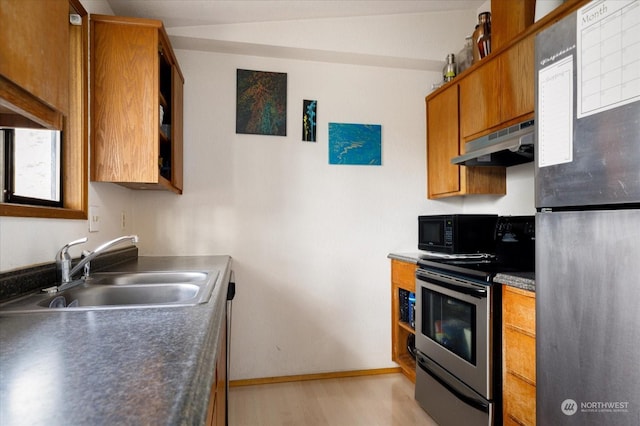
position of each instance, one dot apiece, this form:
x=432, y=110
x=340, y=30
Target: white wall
x=309, y=240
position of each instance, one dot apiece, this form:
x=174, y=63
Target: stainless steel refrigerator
x=588, y=217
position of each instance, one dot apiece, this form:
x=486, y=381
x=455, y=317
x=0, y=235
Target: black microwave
x=457, y=233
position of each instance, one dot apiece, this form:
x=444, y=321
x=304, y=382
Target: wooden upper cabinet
x=443, y=143
x=34, y=59
x=500, y=92
x=135, y=74
x=517, y=97
x=480, y=99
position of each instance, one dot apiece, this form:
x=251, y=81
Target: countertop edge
x=196, y=400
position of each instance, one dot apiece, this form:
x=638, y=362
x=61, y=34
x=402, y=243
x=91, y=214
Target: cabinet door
x=517, y=76
x=519, y=356
x=41, y=71
x=443, y=143
x=480, y=99
x=124, y=103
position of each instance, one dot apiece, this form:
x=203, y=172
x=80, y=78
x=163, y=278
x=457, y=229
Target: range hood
x=506, y=147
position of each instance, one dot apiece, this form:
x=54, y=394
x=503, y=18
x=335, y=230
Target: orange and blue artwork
x=309, y=113
x=261, y=103
x=359, y=144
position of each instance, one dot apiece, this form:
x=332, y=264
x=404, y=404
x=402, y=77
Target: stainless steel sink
x=127, y=278
x=93, y=295
x=119, y=290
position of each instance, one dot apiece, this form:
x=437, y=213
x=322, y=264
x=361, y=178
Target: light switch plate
x=94, y=218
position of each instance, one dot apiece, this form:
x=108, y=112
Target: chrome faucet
x=63, y=260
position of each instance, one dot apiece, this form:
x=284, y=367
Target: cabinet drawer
x=520, y=354
x=403, y=274
x=519, y=307
x=519, y=401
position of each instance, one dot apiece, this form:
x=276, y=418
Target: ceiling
x=178, y=13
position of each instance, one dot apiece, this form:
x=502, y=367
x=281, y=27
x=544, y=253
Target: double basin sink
x=117, y=290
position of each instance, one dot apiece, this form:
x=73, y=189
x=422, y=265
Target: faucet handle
x=62, y=253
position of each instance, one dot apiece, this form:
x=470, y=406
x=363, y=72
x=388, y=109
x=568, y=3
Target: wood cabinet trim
x=402, y=277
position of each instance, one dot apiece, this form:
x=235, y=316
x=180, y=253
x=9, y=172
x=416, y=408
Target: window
x=32, y=167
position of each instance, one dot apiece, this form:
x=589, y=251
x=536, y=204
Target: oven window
x=450, y=322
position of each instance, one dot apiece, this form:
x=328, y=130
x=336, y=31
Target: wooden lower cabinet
x=519, y=356
x=403, y=276
x=217, y=412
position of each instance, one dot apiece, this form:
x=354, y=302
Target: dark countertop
x=522, y=280
x=122, y=366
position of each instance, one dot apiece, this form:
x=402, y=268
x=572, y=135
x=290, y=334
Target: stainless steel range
x=458, y=326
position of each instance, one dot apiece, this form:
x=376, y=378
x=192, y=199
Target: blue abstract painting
x=359, y=144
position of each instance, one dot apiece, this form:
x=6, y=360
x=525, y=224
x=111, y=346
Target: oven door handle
x=476, y=403
x=451, y=283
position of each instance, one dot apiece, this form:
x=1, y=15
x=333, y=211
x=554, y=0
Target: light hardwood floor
x=379, y=400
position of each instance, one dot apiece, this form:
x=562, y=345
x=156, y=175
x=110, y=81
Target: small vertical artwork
x=261, y=103
x=309, y=116
x=359, y=144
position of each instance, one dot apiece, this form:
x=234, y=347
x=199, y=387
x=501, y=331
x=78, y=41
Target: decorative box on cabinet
x=403, y=276
x=443, y=143
x=135, y=75
x=508, y=19
x=519, y=356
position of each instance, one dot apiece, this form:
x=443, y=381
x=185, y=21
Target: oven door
x=453, y=327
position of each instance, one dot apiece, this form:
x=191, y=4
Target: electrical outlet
x=94, y=218
x=123, y=220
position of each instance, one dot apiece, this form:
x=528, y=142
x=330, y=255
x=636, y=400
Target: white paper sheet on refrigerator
x=608, y=55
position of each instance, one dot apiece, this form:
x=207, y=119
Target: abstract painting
x=355, y=144
x=261, y=103
x=309, y=111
